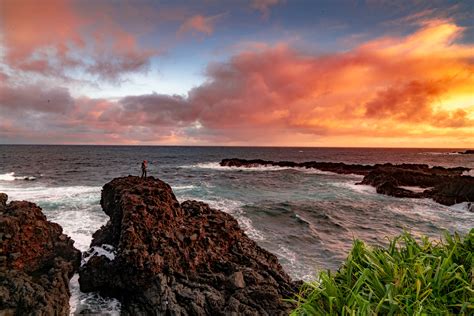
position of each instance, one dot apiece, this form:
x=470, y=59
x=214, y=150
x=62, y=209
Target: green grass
x=405, y=278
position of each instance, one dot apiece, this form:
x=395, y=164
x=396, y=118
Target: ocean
x=308, y=218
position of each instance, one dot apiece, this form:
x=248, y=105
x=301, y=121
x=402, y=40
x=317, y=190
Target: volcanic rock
x=336, y=167
x=3, y=200
x=180, y=259
x=36, y=262
x=446, y=186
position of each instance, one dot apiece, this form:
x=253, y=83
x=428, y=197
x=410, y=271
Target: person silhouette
x=144, y=166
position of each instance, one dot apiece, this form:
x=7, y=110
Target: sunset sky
x=373, y=73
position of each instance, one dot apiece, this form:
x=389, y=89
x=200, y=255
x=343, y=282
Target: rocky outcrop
x=467, y=152
x=444, y=185
x=336, y=167
x=36, y=261
x=455, y=190
x=180, y=259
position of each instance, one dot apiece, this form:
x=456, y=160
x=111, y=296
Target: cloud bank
x=413, y=90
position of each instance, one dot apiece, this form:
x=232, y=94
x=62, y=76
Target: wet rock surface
x=36, y=261
x=180, y=259
x=444, y=185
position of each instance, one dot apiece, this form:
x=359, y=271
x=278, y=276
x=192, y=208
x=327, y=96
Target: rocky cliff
x=36, y=261
x=180, y=259
x=444, y=185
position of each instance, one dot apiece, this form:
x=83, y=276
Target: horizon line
x=238, y=146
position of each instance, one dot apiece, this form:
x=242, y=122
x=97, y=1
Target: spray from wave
x=265, y=168
x=468, y=173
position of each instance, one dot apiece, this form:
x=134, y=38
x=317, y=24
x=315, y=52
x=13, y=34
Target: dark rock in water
x=444, y=185
x=467, y=152
x=448, y=185
x=186, y=259
x=336, y=167
x=455, y=190
x=470, y=207
x=36, y=262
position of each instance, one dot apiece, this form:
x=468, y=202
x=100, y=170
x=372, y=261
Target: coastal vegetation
x=408, y=277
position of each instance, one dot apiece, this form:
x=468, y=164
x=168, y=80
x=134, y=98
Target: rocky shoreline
x=159, y=257
x=446, y=186
x=36, y=261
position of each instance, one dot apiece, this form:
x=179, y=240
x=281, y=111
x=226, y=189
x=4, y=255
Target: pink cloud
x=52, y=38
x=200, y=24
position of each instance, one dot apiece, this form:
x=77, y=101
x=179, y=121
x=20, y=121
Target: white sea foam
x=294, y=264
x=260, y=168
x=183, y=187
x=91, y=301
x=77, y=210
x=468, y=173
x=359, y=188
x=302, y=219
x=103, y=250
x=414, y=189
x=7, y=176
x=287, y=255
x=10, y=176
x=453, y=218
x=437, y=153
x=217, y=166
x=313, y=171
x=463, y=207
x=233, y=208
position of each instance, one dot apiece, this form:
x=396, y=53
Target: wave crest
x=10, y=176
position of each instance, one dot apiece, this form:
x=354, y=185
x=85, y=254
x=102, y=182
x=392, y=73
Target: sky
x=323, y=73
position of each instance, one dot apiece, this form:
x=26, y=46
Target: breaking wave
x=10, y=176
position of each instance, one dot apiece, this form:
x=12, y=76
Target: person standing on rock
x=144, y=166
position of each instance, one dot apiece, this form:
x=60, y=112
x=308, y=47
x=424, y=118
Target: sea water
x=308, y=218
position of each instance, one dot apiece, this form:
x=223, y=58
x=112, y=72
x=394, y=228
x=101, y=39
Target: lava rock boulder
x=36, y=261
x=180, y=259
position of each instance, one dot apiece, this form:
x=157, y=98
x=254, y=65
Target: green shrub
x=406, y=278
